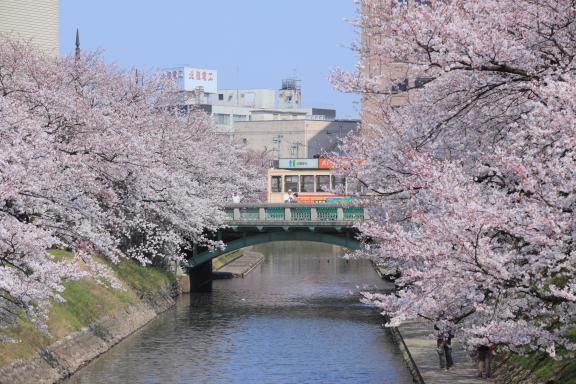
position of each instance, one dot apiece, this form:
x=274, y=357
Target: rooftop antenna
x=77, y=51
x=237, y=80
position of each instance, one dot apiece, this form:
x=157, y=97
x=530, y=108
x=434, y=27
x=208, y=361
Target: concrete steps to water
x=243, y=265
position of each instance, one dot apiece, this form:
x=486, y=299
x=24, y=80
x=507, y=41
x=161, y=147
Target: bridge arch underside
x=240, y=237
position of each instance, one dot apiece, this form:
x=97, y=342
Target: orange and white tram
x=311, y=179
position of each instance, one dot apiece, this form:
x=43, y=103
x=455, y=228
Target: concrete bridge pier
x=201, y=277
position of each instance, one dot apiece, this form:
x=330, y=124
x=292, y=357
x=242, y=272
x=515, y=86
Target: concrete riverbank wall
x=50, y=359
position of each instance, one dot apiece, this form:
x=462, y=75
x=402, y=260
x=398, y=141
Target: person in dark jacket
x=444, y=349
x=485, y=353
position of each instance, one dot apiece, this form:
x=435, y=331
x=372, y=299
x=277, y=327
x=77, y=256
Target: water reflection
x=295, y=319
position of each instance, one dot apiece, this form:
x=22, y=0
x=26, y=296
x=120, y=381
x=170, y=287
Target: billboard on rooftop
x=190, y=79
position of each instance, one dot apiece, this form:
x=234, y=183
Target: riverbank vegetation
x=103, y=162
x=468, y=147
x=85, y=301
x=545, y=368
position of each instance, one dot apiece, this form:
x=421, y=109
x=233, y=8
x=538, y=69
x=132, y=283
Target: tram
x=312, y=179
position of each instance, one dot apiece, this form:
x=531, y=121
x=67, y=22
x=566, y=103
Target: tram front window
x=276, y=185
x=307, y=184
x=322, y=183
x=291, y=183
x=339, y=183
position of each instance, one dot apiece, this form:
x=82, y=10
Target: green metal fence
x=327, y=213
x=353, y=213
x=300, y=214
x=251, y=214
x=275, y=213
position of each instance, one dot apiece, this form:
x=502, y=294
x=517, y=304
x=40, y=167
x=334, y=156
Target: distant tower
x=290, y=95
x=77, y=51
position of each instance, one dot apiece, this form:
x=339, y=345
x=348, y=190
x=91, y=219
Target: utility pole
x=278, y=141
x=296, y=148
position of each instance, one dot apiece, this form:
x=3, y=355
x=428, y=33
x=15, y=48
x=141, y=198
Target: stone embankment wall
x=62, y=358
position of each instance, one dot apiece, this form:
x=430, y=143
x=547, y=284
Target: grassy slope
x=548, y=369
x=86, y=302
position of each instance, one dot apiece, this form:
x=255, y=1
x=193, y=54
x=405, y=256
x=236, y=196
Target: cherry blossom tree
x=96, y=160
x=474, y=177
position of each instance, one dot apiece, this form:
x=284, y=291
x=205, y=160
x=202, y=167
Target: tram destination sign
x=298, y=164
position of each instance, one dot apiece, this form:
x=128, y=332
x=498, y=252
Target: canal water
x=295, y=319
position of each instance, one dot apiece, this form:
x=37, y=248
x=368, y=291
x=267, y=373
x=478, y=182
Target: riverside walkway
x=422, y=349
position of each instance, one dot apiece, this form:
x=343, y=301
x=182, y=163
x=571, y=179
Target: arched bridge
x=251, y=224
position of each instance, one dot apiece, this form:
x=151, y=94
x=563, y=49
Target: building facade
x=299, y=138
x=266, y=120
x=36, y=21
x=398, y=84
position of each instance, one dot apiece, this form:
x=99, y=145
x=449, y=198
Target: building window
x=421, y=81
x=307, y=183
x=400, y=85
x=291, y=183
x=221, y=96
x=276, y=185
x=240, y=117
x=322, y=183
x=222, y=119
x=424, y=2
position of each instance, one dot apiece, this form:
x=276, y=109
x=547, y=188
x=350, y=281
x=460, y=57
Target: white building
x=35, y=21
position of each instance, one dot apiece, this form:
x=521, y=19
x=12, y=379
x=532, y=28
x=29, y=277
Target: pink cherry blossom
x=473, y=181
x=99, y=161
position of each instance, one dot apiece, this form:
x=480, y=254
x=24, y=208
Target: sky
x=251, y=43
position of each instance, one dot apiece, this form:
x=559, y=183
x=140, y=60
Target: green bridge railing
x=293, y=213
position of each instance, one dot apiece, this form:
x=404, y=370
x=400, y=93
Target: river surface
x=295, y=319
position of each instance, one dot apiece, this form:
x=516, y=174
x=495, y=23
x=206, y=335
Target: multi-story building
x=266, y=120
x=385, y=68
x=35, y=21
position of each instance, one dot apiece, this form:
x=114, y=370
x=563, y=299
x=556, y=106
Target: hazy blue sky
x=251, y=43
